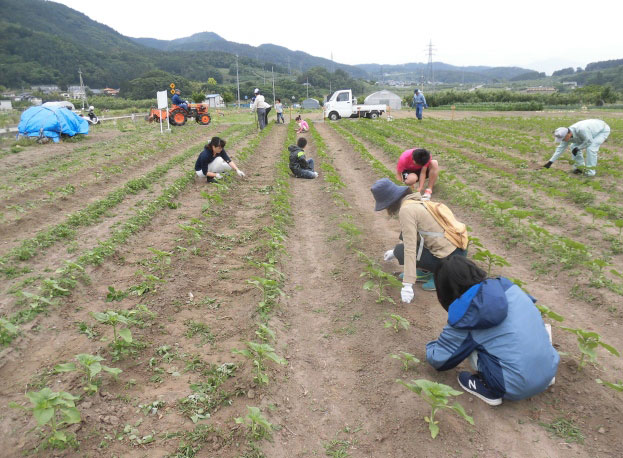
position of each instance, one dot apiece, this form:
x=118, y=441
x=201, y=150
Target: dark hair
x=453, y=276
x=301, y=142
x=421, y=156
x=394, y=208
x=215, y=142
x=298, y=118
x=279, y=100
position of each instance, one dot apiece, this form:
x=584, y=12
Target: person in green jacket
x=584, y=135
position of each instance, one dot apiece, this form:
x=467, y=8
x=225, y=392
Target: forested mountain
x=292, y=60
x=444, y=73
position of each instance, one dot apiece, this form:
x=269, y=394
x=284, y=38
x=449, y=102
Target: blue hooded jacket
x=498, y=320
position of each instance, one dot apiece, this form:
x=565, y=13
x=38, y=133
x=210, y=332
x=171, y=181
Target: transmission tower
x=430, y=72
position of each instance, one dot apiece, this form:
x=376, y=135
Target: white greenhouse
x=384, y=98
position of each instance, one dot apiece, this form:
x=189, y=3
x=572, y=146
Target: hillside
x=444, y=73
x=209, y=41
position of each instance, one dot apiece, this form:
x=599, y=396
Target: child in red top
x=413, y=163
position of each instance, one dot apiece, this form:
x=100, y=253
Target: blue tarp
x=53, y=120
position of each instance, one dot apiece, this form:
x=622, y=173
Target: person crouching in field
x=300, y=166
x=495, y=324
x=303, y=126
x=414, y=167
x=424, y=242
x=213, y=161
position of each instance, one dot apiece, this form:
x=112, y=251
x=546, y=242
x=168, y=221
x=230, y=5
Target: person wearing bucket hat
x=424, y=242
x=584, y=135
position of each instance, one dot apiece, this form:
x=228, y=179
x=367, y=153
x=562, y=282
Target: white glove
x=389, y=255
x=218, y=176
x=406, y=293
x=240, y=173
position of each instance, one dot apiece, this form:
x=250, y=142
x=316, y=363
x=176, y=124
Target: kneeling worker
x=213, y=161
x=494, y=324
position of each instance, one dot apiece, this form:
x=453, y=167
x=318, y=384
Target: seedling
x=378, y=279
x=122, y=338
x=265, y=334
x=520, y=214
x=352, y=233
x=270, y=290
x=8, y=331
x=588, y=341
x=502, y=205
x=259, y=353
x=54, y=410
x=397, y=321
x=437, y=395
x=619, y=223
x=90, y=367
x=259, y=427
x=491, y=259
x=614, y=386
x=549, y=313
x=406, y=359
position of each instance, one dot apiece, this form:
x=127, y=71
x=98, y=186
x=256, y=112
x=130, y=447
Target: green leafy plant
x=615, y=386
x=264, y=333
x=564, y=429
x=619, y=223
x=438, y=396
x=259, y=353
x=122, y=338
x=395, y=321
x=502, y=205
x=378, y=279
x=520, y=214
x=270, y=291
x=588, y=341
x=258, y=426
x=491, y=259
x=8, y=331
x=406, y=359
x=549, y=313
x=115, y=295
x=54, y=410
x=90, y=366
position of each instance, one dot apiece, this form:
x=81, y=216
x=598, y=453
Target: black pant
x=427, y=261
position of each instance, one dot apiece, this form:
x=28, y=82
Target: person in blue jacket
x=177, y=100
x=419, y=103
x=493, y=323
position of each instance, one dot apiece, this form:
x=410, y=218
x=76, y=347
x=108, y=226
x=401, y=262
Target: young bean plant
x=588, y=341
x=378, y=279
x=259, y=427
x=90, y=366
x=259, y=353
x=395, y=321
x=437, y=395
x=406, y=359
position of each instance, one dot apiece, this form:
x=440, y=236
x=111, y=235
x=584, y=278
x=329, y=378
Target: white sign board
x=163, y=101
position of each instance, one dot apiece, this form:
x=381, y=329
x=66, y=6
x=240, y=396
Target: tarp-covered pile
x=51, y=122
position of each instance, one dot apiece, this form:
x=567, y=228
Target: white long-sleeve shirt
x=259, y=103
x=583, y=133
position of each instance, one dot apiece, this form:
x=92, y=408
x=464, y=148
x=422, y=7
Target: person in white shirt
x=261, y=107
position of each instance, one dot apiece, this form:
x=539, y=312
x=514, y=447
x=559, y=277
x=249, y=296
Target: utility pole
x=307, y=87
x=272, y=69
x=237, y=82
x=83, y=92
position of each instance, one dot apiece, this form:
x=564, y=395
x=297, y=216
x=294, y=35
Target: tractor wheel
x=204, y=119
x=178, y=117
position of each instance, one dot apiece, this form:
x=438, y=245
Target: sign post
x=163, y=103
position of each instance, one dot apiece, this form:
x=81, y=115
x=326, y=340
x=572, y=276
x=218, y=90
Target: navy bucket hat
x=385, y=193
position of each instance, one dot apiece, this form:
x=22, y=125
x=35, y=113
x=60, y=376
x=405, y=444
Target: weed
x=8, y=331
x=615, y=386
x=564, y=429
x=437, y=395
x=201, y=329
x=115, y=295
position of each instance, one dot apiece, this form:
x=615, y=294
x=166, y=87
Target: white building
x=6, y=105
x=214, y=101
x=384, y=97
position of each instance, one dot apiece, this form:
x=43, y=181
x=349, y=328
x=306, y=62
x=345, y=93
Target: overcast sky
x=539, y=35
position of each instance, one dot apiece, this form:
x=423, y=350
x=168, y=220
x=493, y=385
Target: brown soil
x=338, y=390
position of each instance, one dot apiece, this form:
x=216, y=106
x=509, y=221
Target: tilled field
x=241, y=303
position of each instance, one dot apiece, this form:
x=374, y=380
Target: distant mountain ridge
x=210, y=41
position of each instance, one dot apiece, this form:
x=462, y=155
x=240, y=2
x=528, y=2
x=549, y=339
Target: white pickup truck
x=342, y=105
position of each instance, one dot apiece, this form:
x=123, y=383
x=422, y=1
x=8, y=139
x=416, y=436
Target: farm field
x=236, y=312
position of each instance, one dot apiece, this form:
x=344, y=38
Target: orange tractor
x=178, y=115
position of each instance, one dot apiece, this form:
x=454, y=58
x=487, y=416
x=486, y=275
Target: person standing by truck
x=419, y=103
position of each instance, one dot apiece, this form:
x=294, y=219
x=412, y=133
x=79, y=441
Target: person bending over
x=414, y=167
x=213, y=161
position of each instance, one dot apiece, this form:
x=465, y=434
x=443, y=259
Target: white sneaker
x=427, y=194
x=316, y=173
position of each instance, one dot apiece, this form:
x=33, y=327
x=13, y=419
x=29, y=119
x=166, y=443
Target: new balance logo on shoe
x=472, y=384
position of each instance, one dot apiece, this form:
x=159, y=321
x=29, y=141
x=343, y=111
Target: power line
x=430, y=71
